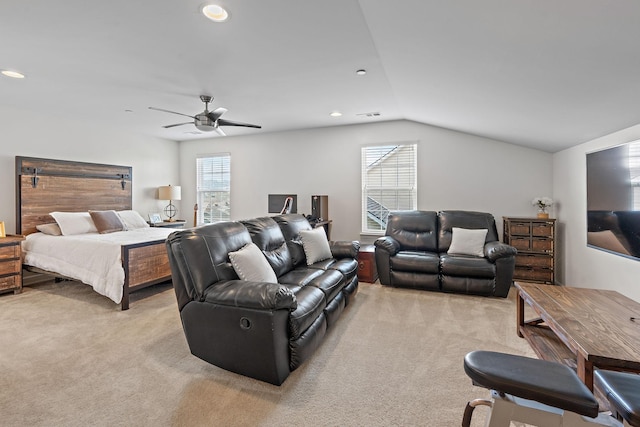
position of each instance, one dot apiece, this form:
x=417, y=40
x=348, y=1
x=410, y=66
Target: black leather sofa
x=258, y=329
x=414, y=253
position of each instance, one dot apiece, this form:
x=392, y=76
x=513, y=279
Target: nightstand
x=178, y=223
x=11, y=264
x=367, y=270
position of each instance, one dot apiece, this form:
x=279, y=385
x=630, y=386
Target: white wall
x=154, y=160
x=583, y=266
x=455, y=171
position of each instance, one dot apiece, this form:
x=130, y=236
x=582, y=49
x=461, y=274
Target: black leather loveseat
x=254, y=328
x=417, y=252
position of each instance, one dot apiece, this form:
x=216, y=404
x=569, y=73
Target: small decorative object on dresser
x=543, y=204
x=154, y=218
x=535, y=240
x=11, y=264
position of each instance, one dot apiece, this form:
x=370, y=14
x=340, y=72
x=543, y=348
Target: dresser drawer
x=10, y=282
x=535, y=275
x=523, y=228
x=12, y=251
x=521, y=243
x=542, y=245
x=544, y=261
x=542, y=230
x=8, y=267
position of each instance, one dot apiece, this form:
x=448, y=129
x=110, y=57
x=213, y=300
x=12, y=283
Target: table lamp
x=170, y=193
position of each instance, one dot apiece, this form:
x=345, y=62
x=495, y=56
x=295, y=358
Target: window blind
x=389, y=182
x=213, y=188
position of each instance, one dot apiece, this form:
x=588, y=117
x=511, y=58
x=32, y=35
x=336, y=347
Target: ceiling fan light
x=215, y=13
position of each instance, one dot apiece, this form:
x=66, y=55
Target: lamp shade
x=169, y=192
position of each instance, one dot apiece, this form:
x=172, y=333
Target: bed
x=46, y=185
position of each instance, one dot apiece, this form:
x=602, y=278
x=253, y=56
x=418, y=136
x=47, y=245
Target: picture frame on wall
x=155, y=218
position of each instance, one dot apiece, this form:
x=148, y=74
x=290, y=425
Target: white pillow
x=51, y=229
x=315, y=244
x=467, y=242
x=250, y=264
x=132, y=220
x=74, y=222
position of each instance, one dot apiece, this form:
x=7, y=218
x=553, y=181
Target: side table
x=11, y=264
x=367, y=271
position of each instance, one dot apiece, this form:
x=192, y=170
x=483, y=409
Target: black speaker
x=320, y=207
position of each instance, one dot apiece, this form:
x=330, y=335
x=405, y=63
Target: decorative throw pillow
x=467, y=242
x=106, y=221
x=74, y=222
x=315, y=244
x=132, y=220
x=51, y=229
x=250, y=264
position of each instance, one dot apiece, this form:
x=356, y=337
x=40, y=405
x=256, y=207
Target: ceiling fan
x=207, y=121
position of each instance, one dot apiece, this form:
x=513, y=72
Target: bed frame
x=47, y=185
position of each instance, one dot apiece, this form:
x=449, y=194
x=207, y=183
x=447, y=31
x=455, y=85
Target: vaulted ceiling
x=543, y=74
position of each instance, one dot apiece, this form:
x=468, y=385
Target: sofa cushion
x=266, y=234
x=250, y=264
x=330, y=282
x=414, y=230
x=419, y=262
x=464, y=265
x=299, y=277
x=464, y=219
x=291, y=225
x=315, y=245
x=311, y=303
x=467, y=242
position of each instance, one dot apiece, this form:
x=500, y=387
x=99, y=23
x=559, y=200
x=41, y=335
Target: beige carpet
x=70, y=357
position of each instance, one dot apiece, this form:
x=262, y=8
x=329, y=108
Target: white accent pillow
x=315, y=244
x=74, y=222
x=250, y=264
x=51, y=229
x=467, y=242
x=132, y=220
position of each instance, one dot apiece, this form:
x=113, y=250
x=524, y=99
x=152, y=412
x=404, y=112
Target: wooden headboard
x=46, y=185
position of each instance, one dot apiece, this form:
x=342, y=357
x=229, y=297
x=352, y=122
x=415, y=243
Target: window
x=214, y=188
x=389, y=183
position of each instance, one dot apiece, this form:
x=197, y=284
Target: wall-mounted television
x=613, y=199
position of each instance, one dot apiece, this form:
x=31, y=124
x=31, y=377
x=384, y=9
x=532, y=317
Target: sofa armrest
x=388, y=244
x=254, y=295
x=345, y=249
x=495, y=250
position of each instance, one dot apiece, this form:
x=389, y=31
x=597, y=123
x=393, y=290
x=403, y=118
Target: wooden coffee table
x=582, y=328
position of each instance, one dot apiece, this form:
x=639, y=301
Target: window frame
x=221, y=173
x=405, y=188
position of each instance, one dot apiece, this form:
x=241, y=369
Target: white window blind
x=389, y=183
x=214, y=188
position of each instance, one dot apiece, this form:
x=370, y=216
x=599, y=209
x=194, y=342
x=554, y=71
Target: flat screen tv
x=613, y=199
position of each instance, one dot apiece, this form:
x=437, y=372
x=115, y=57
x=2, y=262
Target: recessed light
x=215, y=12
x=12, y=74
x=361, y=72
x=335, y=114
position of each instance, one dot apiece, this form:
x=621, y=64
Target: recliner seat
x=414, y=253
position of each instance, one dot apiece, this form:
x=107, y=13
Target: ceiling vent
x=373, y=114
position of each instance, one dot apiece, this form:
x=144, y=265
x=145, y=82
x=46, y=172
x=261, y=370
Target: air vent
x=373, y=114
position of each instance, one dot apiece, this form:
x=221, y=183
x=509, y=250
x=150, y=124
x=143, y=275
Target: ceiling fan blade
x=220, y=131
x=177, y=124
x=215, y=114
x=169, y=111
x=223, y=122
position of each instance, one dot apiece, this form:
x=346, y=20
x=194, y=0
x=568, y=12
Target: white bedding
x=92, y=258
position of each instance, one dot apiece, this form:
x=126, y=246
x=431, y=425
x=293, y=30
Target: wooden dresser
x=535, y=240
x=11, y=264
